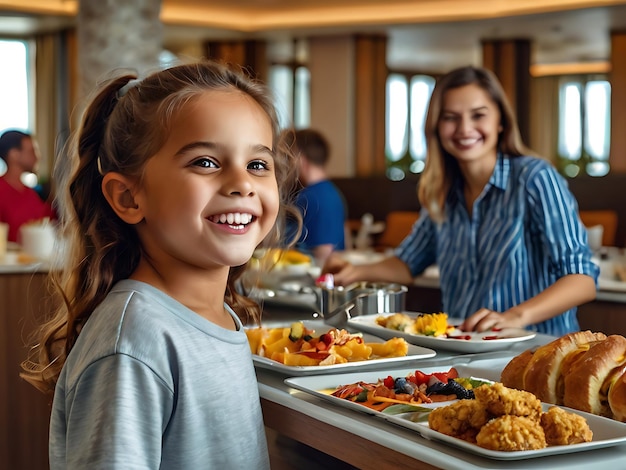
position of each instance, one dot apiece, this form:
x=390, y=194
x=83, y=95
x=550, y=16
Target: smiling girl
x=501, y=224
x=176, y=180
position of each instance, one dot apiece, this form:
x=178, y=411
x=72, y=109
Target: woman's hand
x=567, y=292
x=485, y=319
x=390, y=269
x=343, y=271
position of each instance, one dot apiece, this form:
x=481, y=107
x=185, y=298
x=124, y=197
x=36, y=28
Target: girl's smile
x=235, y=221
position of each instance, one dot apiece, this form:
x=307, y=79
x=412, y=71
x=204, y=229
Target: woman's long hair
x=126, y=122
x=441, y=167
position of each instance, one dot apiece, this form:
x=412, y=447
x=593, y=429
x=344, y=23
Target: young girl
x=500, y=224
x=177, y=179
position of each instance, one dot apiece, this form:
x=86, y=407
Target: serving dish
x=606, y=432
x=502, y=339
x=608, y=279
x=415, y=353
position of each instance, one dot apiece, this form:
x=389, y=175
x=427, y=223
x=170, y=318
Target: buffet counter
x=24, y=411
x=359, y=439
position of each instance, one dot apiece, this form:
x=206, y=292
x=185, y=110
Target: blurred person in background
x=19, y=203
x=321, y=203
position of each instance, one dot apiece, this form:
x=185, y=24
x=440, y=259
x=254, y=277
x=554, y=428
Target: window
x=292, y=91
x=14, y=88
x=584, y=125
x=407, y=103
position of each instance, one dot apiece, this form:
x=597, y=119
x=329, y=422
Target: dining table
x=367, y=442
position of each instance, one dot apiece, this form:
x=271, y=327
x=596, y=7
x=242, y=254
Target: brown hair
x=311, y=145
x=441, y=167
x=11, y=139
x=125, y=124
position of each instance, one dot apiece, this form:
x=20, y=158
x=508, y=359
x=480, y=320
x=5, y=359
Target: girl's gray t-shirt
x=150, y=384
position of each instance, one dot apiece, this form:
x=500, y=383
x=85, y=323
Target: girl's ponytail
x=87, y=271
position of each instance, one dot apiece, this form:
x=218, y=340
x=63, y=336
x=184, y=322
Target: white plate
x=476, y=344
x=414, y=353
x=611, y=284
x=606, y=432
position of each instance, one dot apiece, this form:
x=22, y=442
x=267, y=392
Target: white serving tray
x=606, y=432
x=414, y=355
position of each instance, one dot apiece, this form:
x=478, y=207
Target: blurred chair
x=398, y=225
x=359, y=233
x=606, y=218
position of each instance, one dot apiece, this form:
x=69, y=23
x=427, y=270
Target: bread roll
x=617, y=394
x=586, y=383
x=542, y=375
x=513, y=373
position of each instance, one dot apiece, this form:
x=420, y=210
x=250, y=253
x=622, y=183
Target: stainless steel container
x=339, y=304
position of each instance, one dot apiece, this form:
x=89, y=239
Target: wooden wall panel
x=617, y=156
x=24, y=411
x=370, y=89
x=249, y=54
x=510, y=61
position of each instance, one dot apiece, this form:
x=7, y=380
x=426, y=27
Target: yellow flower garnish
x=431, y=324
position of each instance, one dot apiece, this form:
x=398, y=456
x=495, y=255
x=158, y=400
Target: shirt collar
x=499, y=178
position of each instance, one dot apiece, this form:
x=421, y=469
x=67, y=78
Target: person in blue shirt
x=321, y=203
x=500, y=223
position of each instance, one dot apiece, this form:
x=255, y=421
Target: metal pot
x=339, y=304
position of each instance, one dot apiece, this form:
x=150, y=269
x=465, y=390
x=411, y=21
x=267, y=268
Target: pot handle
x=340, y=315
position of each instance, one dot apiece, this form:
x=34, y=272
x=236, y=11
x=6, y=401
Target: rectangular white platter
x=415, y=354
x=606, y=432
x=506, y=337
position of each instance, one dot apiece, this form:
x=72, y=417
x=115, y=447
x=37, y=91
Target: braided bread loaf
x=583, y=370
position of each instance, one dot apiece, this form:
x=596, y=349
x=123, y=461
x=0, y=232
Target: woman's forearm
x=566, y=293
x=390, y=269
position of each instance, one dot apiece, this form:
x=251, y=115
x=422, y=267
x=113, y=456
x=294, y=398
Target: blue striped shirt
x=523, y=235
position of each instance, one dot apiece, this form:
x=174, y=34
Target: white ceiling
x=435, y=41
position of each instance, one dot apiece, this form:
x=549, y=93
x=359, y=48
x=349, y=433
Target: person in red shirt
x=19, y=204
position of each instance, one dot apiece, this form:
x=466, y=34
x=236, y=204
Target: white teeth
x=467, y=141
x=233, y=218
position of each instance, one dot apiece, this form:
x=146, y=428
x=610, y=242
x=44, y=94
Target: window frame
x=407, y=164
x=583, y=163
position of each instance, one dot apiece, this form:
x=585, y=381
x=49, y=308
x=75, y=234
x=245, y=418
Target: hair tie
x=99, y=164
x=131, y=84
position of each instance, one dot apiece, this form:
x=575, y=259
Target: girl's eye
x=447, y=118
x=204, y=163
x=479, y=116
x=258, y=165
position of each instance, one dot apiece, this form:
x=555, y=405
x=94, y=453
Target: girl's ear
x=117, y=190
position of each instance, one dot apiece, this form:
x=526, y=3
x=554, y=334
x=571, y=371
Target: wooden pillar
x=617, y=157
x=251, y=55
x=510, y=61
x=370, y=90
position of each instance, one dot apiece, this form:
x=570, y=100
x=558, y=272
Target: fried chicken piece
x=462, y=419
x=563, y=427
x=499, y=400
x=511, y=433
